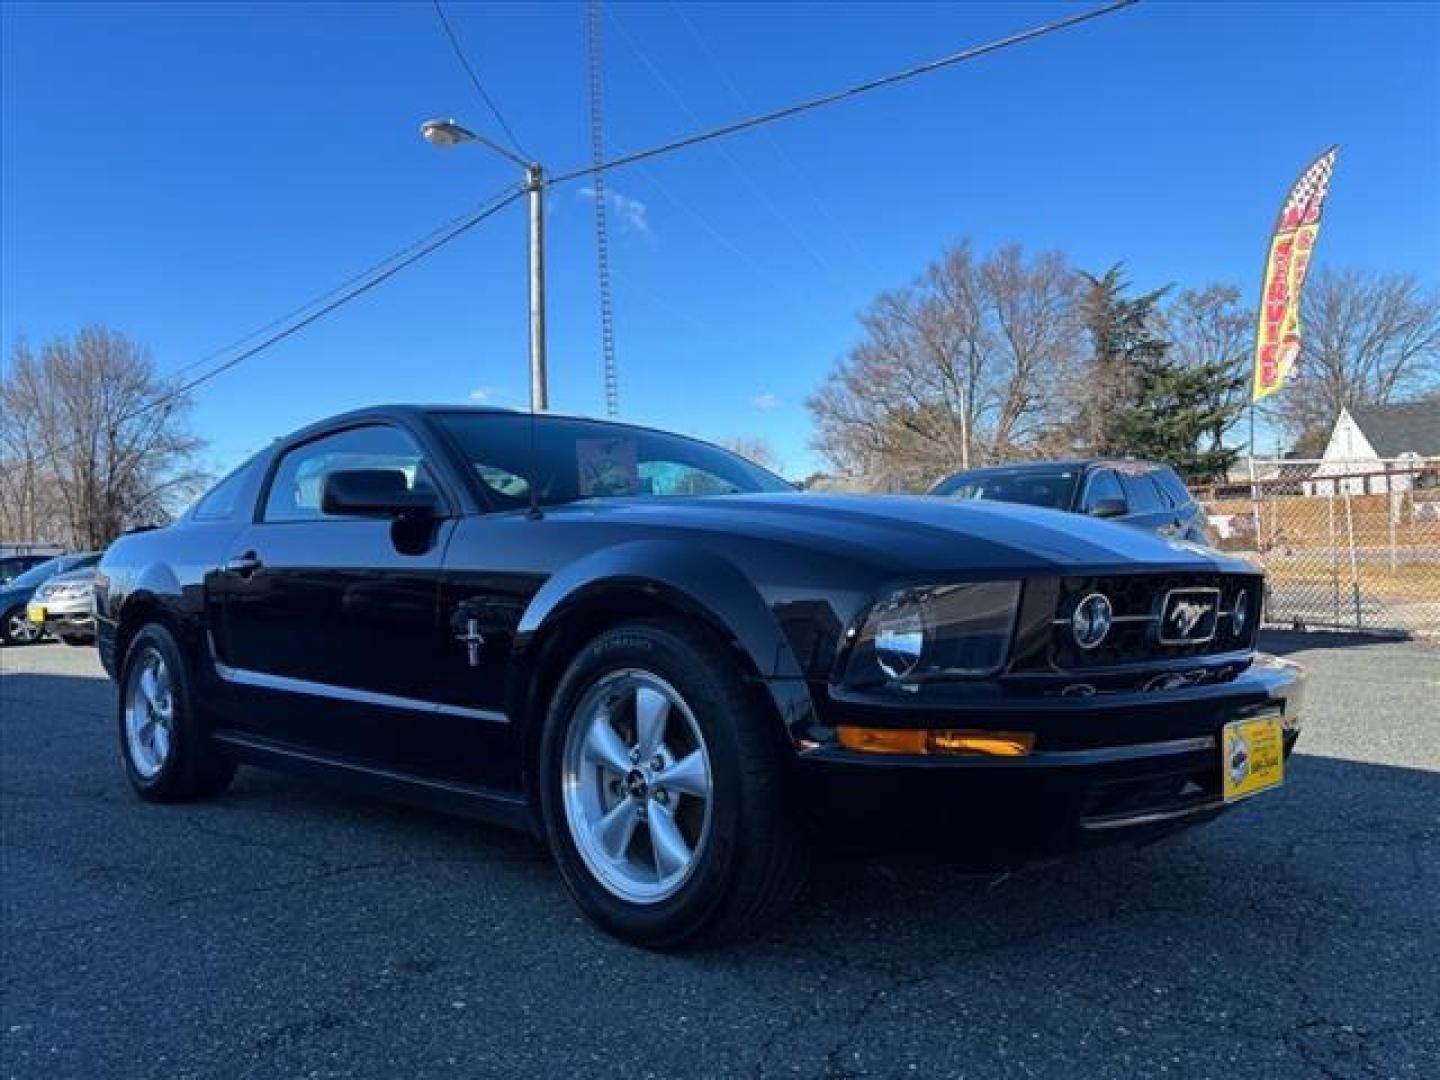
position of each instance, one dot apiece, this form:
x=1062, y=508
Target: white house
x=1378, y=449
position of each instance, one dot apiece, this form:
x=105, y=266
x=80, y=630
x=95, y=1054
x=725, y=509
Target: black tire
x=192, y=768
x=8, y=638
x=752, y=862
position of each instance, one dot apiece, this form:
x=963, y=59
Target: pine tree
x=1140, y=401
x=1124, y=342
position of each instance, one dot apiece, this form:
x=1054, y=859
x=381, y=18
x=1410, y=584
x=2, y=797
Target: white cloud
x=766, y=402
x=633, y=215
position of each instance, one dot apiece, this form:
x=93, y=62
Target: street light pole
x=539, y=377
x=445, y=133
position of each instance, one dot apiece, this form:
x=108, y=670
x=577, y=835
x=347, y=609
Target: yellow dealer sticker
x=1253, y=757
x=35, y=613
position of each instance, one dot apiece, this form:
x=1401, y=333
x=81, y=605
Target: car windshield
x=36, y=574
x=566, y=460
x=1055, y=489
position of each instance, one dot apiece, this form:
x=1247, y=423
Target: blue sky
x=186, y=173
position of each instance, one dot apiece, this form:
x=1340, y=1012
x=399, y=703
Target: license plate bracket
x=1252, y=756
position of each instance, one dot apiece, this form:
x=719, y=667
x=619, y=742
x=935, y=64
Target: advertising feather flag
x=1277, y=335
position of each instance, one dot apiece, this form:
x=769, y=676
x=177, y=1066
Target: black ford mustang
x=679, y=671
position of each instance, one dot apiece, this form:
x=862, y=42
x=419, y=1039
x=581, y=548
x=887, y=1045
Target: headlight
x=945, y=632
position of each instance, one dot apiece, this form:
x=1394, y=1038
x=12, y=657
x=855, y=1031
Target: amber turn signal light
x=917, y=741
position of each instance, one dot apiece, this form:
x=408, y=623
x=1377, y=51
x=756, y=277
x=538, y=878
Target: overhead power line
x=523, y=158
x=327, y=302
x=849, y=92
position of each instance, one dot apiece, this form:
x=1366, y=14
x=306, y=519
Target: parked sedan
x=12, y=566
x=64, y=607
x=16, y=628
x=1139, y=493
x=677, y=670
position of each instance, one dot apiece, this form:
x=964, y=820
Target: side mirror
x=374, y=493
x=1109, y=508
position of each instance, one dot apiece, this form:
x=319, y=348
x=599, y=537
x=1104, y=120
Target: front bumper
x=74, y=618
x=1104, y=768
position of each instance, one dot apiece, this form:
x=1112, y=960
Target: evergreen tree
x=1124, y=341
x=1175, y=410
x=1139, y=400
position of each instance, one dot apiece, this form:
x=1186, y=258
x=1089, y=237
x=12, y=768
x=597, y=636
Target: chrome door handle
x=244, y=565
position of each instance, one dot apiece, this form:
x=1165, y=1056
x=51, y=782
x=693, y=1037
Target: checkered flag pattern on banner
x=1308, y=194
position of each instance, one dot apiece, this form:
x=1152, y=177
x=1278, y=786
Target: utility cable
x=849, y=92
x=329, y=302
x=479, y=86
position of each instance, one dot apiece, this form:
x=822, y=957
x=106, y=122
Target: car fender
x=156, y=588
x=698, y=580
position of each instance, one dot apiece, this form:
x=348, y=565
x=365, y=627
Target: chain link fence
x=1345, y=545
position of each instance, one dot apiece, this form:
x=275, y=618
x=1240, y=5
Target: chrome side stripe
x=285, y=684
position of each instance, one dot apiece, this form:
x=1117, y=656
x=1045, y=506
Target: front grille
x=1138, y=605
x=1170, y=793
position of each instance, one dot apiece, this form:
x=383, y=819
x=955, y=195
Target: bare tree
x=1367, y=339
x=967, y=364
x=1210, y=327
x=82, y=455
x=755, y=448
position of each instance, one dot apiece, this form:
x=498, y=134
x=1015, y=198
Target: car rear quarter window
x=1171, y=484
x=222, y=502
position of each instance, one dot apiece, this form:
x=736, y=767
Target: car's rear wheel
x=662, y=789
x=166, y=748
x=17, y=629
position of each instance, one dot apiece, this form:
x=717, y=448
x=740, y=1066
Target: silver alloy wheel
x=20, y=629
x=149, y=714
x=637, y=786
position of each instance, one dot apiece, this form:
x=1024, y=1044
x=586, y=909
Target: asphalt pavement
x=287, y=930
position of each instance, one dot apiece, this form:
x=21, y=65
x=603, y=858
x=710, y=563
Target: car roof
x=415, y=412
x=1123, y=464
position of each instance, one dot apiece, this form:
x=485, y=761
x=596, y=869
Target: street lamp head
x=445, y=133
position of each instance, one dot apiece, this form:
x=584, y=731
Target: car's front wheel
x=17, y=629
x=164, y=743
x=662, y=789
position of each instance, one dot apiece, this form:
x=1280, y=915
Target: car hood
x=905, y=533
x=84, y=576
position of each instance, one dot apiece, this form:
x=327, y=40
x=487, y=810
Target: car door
x=329, y=632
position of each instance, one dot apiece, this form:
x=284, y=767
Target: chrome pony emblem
x=1186, y=616
x=1091, y=621
x=1189, y=616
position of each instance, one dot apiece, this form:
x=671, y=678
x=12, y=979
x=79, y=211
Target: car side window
x=1141, y=493
x=1100, y=487
x=1174, y=488
x=299, y=479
